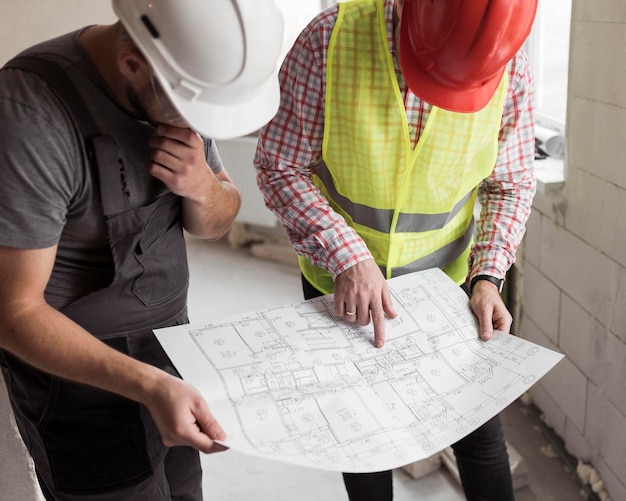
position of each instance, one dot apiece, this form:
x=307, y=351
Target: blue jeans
x=481, y=456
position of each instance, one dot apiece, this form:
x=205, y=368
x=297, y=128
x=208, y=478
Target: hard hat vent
x=148, y=24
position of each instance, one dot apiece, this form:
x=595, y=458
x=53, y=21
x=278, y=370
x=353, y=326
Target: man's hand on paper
x=361, y=294
x=490, y=310
x=183, y=416
x=424, y=297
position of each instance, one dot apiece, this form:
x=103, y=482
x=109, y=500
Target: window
x=548, y=51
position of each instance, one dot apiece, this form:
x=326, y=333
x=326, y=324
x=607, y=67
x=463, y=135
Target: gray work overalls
x=82, y=439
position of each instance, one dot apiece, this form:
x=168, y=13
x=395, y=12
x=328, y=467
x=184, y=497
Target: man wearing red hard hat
x=396, y=117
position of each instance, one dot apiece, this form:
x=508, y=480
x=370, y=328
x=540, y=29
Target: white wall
x=22, y=24
x=574, y=265
x=26, y=22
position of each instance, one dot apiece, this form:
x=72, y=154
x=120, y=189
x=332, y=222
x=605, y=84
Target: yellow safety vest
x=413, y=207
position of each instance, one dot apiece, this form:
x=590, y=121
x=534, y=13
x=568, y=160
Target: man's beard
x=155, y=111
x=140, y=110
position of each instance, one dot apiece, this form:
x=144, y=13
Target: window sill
x=550, y=173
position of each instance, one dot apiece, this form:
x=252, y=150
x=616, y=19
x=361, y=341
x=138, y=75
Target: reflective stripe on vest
x=412, y=206
x=381, y=219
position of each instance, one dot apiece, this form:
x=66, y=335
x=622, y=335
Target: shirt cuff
x=342, y=250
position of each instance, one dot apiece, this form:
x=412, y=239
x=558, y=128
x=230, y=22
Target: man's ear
x=131, y=63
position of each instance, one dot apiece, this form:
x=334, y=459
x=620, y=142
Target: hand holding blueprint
x=297, y=384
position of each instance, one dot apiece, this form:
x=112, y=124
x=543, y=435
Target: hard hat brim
x=228, y=120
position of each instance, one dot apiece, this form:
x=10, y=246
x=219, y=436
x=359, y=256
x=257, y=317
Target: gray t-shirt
x=47, y=194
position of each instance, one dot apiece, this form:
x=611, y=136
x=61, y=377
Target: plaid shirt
x=290, y=148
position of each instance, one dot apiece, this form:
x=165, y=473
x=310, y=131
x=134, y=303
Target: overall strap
x=63, y=86
x=101, y=149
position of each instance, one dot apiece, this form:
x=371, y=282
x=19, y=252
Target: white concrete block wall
x=609, y=370
x=574, y=266
x=606, y=432
x=598, y=119
x=543, y=305
x=618, y=321
x=600, y=209
x=580, y=335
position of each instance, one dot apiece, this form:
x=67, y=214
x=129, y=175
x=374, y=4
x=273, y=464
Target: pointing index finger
x=378, y=319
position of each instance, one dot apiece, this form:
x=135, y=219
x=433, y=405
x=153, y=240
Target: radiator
x=237, y=155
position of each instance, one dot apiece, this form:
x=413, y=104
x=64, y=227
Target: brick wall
x=574, y=259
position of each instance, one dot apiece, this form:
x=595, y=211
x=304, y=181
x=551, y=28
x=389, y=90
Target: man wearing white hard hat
x=107, y=154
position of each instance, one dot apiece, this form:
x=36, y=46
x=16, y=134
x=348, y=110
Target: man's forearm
x=48, y=340
x=212, y=217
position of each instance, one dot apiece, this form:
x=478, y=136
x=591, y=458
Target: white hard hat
x=216, y=60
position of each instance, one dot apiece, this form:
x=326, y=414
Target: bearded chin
x=142, y=110
x=138, y=105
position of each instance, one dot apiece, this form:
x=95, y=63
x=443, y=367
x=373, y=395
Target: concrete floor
x=227, y=281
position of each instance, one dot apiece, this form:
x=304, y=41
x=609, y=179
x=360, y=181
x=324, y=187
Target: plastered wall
x=26, y=22
x=574, y=265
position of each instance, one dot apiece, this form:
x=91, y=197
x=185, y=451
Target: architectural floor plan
x=295, y=383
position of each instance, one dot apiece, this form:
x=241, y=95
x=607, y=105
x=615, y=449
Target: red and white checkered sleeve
x=506, y=196
x=290, y=148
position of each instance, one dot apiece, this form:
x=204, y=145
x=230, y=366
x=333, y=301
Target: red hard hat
x=453, y=52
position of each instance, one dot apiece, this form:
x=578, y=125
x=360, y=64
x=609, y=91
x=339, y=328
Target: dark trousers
x=177, y=478
x=482, y=461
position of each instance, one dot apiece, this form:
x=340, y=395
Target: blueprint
x=297, y=384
